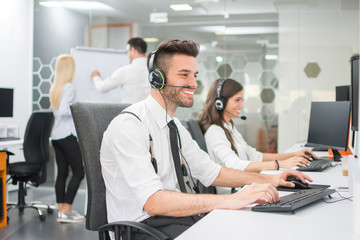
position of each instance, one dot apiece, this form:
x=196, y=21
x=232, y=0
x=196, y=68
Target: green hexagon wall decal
x=312, y=70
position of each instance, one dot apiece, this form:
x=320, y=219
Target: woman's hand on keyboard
x=306, y=153
x=294, y=161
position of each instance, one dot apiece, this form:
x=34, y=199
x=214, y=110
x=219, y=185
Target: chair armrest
x=131, y=226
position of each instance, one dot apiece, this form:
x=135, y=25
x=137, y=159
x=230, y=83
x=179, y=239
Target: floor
x=27, y=226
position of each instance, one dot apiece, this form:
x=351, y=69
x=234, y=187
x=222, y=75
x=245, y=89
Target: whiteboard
x=106, y=61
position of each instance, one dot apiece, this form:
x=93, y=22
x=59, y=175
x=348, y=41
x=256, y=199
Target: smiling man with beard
x=149, y=160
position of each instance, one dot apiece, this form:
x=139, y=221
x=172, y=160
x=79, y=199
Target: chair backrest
x=198, y=136
x=91, y=120
x=36, y=141
x=196, y=133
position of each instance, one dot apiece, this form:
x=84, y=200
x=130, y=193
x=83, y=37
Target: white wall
x=16, y=47
x=328, y=38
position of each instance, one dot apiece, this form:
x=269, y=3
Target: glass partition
x=286, y=53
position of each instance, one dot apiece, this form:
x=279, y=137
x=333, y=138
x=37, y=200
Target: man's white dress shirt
x=129, y=176
x=132, y=79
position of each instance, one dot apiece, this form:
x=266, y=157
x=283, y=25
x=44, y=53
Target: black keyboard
x=294, y=201
x=316, y=165
x=310, y=186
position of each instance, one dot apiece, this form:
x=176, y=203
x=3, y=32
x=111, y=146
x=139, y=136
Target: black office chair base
x=43, y=205
x=21, y=209
x=21, y=205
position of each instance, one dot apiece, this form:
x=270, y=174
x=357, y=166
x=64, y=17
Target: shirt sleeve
x=126, y=151
x=114, y=81
x=252, y=153
x=221, y=151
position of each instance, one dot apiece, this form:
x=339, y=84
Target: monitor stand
x=336, y=155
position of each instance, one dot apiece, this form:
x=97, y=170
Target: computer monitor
x=6, y=102
x=343, y=93
x=354, y=61
x=354, y=66
x=329, y=126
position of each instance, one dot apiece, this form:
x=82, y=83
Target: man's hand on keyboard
x=283, y=178
x=254, y=193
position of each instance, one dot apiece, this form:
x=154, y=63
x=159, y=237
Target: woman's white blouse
x=64, y=124
x=219, y=149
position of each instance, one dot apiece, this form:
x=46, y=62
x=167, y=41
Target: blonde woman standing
x=64, y=139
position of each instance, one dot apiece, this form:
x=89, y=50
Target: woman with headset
x=225, y=144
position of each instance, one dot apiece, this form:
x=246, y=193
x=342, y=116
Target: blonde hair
x=64, y=73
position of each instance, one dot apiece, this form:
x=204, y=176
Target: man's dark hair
x=139, y=44
x=171, y=47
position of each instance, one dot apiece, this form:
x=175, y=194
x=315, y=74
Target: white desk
x=9, y=144
x=319, y=220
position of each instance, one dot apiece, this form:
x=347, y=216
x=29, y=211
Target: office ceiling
x=201, y=23
x=258, y=18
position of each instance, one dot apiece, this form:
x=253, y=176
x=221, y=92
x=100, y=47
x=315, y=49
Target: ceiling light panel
x=181, y=7
x=77, y=5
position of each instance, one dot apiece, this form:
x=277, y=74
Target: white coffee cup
x=12, y=131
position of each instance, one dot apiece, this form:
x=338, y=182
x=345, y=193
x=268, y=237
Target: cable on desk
x=342, y=199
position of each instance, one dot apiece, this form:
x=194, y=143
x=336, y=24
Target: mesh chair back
x=91, y=120
x=198, y=136
x=196, y=133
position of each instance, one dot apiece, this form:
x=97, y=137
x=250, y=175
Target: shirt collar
x=228, y=126
x=157, y=112
x=139, y=60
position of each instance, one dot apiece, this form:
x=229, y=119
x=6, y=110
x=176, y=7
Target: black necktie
x=175, y=154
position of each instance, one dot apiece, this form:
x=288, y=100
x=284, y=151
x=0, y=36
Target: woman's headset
x=220, y=102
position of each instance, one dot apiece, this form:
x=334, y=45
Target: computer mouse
x=300, y=185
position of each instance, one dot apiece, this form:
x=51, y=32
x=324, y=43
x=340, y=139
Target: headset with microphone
x=157, y=77
x=236, y=116
x=220, y=102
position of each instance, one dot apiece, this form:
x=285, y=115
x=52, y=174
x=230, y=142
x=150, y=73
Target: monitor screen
x=354, y=92
x=343, y=93
x=6, y=102
x=329, y=125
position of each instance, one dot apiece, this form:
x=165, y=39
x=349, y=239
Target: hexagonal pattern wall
x=43, y=75
x=252, y=70
x=256, y=74
x=312, y=70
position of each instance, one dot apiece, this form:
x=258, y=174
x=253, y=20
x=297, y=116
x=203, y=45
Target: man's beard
x=172, y=96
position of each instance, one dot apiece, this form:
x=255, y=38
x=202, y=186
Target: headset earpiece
x=157, y=77
x=220, y=102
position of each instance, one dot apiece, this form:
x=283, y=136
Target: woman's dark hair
x=210, y=115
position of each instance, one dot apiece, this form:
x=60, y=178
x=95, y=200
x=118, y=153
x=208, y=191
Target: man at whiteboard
x=132, y=78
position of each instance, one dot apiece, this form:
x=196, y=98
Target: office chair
x=198, y=136
x=36, y=154
x=91, y=121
